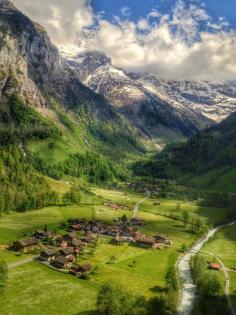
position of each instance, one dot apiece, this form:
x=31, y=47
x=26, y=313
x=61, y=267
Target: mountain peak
x=5, y=4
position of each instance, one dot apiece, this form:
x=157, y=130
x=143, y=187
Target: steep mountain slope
x=207, y=160
x=32, y=68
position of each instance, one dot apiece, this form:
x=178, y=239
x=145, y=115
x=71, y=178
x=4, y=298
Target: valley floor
x=34, y=288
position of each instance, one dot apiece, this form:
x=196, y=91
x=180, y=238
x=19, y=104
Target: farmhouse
x=145, y=242
x=214, y=266
x=61, y=242
x=162, y=240
x=48, y=254
x=68, y=252
x=61, y=262
x=25, y=245
x=41, y=234
x=77, y=270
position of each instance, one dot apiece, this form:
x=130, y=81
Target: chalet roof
x=145, y=240
x=49, y=252
x=28, y=242
x=61, y=260
x=214, y=265
x=67, y=251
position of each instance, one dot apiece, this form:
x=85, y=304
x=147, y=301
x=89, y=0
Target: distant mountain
x=161, y=110
x=207, y=160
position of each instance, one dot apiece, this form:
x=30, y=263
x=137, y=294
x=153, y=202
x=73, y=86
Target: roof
x=28, y=242
x=145, y=240
x=49, y=252
x=67, y=251
x=61, y=260
x=215, y=265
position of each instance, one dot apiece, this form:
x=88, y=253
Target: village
x=61, y=252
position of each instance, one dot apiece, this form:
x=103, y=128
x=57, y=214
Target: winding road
x=188, y=289
x=136, y=207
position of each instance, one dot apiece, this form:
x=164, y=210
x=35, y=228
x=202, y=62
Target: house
x=162, y=239
x=145, y=242
x=214, y=266
x=70, y=237
x=61, y=262
x=157, y=203
x=48, y=254
x=61, y=242
x=85, y=268
x=25, y=245
x=68, y=252
x=41, y=234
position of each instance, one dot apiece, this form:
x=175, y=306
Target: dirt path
x=22, y=262
x=136, y=207
x=188, y=289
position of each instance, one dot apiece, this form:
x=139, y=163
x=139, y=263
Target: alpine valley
x=117, y=188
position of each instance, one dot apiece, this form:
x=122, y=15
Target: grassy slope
x=146, y=277
x=223, y=246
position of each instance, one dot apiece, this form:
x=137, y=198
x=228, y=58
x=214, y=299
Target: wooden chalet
x=68, y=252
x=61, y=262
x=77, y=270
x=214, y=266
x=61, y=242
x=26, y=245
x=41, y=234
x=145, y=242
x=162, y=239
x=48, y=254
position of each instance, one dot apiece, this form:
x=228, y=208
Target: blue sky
x=140, y=8
x=174, y=39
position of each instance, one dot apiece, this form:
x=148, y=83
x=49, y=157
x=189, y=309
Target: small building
x=61, y=242
x=68, y=252
x=41, y=234
x=214, y=266
x=162, y=239
x=25, y=245
x=145, y=242
x=85, y=268
x=48, y=254
x=61, y=262
x=157, y=203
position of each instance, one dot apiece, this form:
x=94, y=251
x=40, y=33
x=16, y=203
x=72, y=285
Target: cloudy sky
x=174, y=39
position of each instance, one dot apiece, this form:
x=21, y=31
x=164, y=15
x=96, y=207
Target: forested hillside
x=207, y=160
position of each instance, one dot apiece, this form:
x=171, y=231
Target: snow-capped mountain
x=159, y=109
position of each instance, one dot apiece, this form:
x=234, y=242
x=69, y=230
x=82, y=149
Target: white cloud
x=62, y=19
x=125, y=11
x=186, y=44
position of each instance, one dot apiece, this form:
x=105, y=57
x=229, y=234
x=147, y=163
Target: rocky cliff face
x=30, y=65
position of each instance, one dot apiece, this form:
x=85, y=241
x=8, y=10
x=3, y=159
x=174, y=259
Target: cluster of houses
x=114, y=206
x=61, y=251
x=61, y=256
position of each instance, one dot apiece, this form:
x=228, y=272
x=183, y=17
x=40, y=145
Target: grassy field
x=36, y=289
x=223, y=246
x=44, y=291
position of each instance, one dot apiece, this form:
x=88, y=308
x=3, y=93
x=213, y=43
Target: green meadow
x=34, y=288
